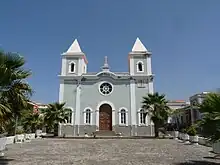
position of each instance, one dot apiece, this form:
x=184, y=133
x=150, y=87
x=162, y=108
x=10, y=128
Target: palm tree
x=155, y=105
x=55, y=113
x=14, y=92
x=32, y=121
x=210, y=122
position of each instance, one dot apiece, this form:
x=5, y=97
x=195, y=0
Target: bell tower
x=140, y=63
x=141, y=79
x=74, y=61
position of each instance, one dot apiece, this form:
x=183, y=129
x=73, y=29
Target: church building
x=106, y=101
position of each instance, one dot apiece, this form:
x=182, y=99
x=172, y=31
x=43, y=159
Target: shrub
x=183, y=130
x=19, y=131
x=191, y=131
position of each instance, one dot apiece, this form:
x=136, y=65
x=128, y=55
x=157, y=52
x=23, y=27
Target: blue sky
x=184, y=37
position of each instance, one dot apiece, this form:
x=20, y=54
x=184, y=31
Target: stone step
x=105, y=133
x=112, y=137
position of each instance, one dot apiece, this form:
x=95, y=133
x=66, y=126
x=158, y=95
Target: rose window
x=105, y=88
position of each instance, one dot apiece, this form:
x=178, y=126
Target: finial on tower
x=105, y=67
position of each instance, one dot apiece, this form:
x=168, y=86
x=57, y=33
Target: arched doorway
x=105, y=117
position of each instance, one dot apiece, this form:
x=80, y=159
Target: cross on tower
x=105, y=67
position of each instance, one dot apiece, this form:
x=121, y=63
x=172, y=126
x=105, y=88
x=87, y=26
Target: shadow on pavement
x=4, y=160
x=195, y=162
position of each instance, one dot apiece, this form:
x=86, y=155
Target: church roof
x=139, y=46
x=74, y=48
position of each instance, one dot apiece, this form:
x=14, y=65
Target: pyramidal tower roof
x=74, y=48
x=139, y=46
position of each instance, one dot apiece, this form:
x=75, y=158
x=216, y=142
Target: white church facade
x=106, y=101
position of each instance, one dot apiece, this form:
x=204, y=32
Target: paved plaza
x=107, y=152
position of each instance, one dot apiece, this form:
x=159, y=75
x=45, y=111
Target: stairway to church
x=105, y=133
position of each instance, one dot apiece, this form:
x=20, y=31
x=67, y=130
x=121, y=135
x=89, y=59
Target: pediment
x=105, y=74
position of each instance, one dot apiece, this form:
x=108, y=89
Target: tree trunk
x=56, y=129
x=16, y=124
x=156, y=129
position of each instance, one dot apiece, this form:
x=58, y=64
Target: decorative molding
x=87, y=108
x=105, y=102
x=100, y=88
x=103, y=72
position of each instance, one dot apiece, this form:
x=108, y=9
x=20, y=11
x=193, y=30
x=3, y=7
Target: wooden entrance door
x=105, y=117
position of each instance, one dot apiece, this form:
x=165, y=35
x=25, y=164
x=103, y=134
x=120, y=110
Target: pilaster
x=80, y=66
x=77, y=110
x=133, y=114
x=113, y=117
x=61, y=91
x=97, y=120
x=149, y=69
x=64, y=66
x=151, y=87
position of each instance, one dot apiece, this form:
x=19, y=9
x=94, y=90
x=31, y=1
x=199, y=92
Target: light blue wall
x=139, y=93
x=90, y=96
x=70, y=93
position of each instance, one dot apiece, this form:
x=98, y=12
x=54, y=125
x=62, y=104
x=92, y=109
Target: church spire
x=105, y=67
x=139, y=46
x=74, y=48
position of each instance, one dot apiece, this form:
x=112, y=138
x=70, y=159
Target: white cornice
x=94, y=77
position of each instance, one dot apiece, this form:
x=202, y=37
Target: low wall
x=10, y=140
x=204, y=141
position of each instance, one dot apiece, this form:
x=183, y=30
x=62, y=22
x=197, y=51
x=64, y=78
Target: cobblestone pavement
x=107, y=152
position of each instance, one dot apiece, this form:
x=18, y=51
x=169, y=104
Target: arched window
x=69, y=120
x=69, y=115
x=142, y=117
x=88, y=116
x=123, y=116
x=140, y=66
x=72, y=67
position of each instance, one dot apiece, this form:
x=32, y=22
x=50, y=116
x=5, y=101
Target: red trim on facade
x=85, y=60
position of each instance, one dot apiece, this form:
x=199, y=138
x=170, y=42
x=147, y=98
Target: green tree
x=31, y=121
x=14, y=91
x=155, y=105
x=53, y=115
x=210, y=122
